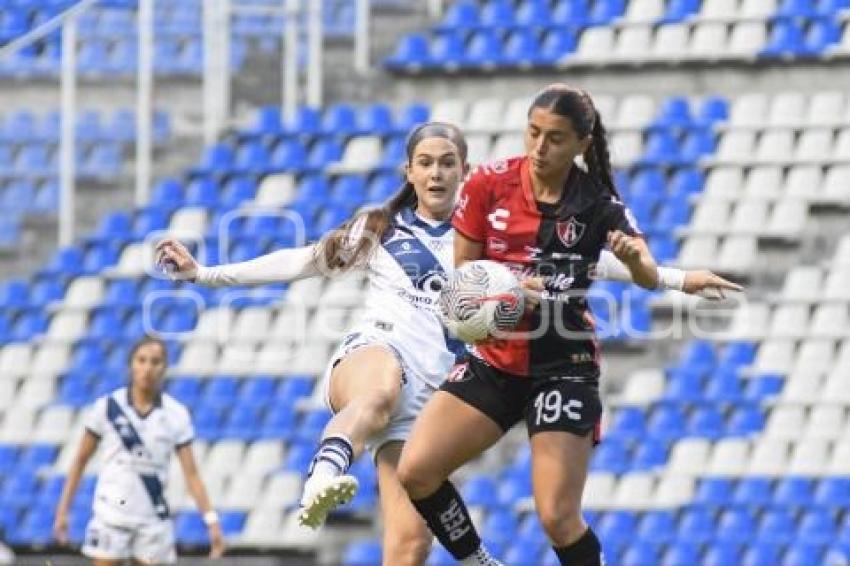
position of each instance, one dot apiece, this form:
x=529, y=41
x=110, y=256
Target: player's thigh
x=154, y=544
x=401, y=520
x=447, y=434
x=367, y=369
x=106, y=544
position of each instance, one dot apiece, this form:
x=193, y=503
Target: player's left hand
x=626, y=248
x=216, y=541
x=532, y=287
x=708, y=285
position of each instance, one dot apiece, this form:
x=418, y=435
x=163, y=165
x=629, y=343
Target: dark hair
x=336, y=251
x=577, y=105
x=144, y=341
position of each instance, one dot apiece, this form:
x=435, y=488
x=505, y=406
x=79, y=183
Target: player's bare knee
x=416, y=479
x=562, y=524
x=377, y=407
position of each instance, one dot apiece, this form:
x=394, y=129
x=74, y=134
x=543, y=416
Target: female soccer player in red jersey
x=549, y=219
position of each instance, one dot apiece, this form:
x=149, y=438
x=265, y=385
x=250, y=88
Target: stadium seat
x=362, y=552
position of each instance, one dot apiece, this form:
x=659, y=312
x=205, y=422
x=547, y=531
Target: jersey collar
x=580, y=191
x=157, y=403
x=411, y=218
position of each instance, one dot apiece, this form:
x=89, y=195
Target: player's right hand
x=60, y=528
x=532, y=287
x=174, y=258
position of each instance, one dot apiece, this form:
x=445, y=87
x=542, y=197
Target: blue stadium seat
x=605, y=11
x=242, y=422
x=149, y=220
x=461, y=15
x=99, y=257
x=292, y=389
x=19, y=490
x=723, y=387
x=522, y=48
x=440, y=557
x=681, y=552
x=8, y=459
x=820, y=35
x=10, y=230
x=202, y=191
x=298, y=456
x=722, y=553
x=497, y=14
x=696, y=525
x=737, y=354
x=114, y=226
x=735, y=526
x=376, y=120
x=88, y=355
x=793, y=491
x=50, y=491
x=531, y=533
x=816, y=527
x=287, y=155
x=323, y=153
x=217, y=158
x=257, y=391
x=189, y=529
x=713, y=109
x=28, y=325
x=617, y=528
x=312, y=424
x=753, y=492
x=37, y=528
x=484, y=50
x=307, y=121
x=121, y=293
x=123, y=126
x=829, y=8
x=683, y=387
x=786, y=39
x=513, y=488
x=207, y=422
x=362, y=553
x=279, y=422
x=556, y=44
x=499, y=526
x=802, y=554
x=628, y=423
x=16, y=196
x=649, y=455
x=611, y=455
x=187, y=390
x=480, y=490
x=411, y=115
x=761, y=553
x=572, y=14
x=696, y=145
x=763, y=387
x=658, y=526
x=447, y=51
x=238, y=190
x=14, y=294
x=330, y=217
x=393, y=157
x=268, y=122
x=745, y=421
x=533, y=13
x=661, y=149
x=832, y=492
x=675, y=113
x=640, y=553
x=679, y=10
x=795, y=9
x=251, y=157
x=46, y=198
x=339, y=120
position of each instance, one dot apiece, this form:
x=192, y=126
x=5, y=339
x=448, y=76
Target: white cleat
x=322, y=494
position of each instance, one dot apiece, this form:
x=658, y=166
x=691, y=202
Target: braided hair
x=577, y=105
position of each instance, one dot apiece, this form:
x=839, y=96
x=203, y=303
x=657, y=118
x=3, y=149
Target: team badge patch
x=570, y=231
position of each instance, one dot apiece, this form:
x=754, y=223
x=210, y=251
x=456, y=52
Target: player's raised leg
x=363, y=391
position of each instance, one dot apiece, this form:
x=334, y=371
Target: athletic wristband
x=671, y=278
x=210, y=518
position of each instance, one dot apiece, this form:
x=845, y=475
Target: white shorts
x=152, y=543
x=415, y=391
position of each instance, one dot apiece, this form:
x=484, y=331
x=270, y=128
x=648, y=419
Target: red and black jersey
x=559, y=242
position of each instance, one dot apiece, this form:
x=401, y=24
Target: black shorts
x=546, y=403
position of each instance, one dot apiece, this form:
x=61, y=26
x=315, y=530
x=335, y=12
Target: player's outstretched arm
x=693, y=282
x=281, y=266
x=88, y=446
x=635, y=255
x=196, y=488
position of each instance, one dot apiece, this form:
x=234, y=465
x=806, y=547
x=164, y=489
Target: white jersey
x=122, y=497
x=406, y=273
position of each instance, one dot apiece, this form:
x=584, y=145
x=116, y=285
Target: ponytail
x=598, y=156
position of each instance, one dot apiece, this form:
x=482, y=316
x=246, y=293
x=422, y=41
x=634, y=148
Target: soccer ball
x=480, y=299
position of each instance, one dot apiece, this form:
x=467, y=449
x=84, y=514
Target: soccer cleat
x=481, y=558
x=322, y=494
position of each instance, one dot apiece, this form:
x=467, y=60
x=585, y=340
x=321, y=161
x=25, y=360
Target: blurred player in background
x=139, y=426
x=392, y=361
x=551, y=220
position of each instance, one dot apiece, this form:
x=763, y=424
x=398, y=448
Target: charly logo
x=570, y=231
x=407, y=249
x=497, y=245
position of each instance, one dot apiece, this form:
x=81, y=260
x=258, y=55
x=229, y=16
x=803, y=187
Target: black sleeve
x=616, y=216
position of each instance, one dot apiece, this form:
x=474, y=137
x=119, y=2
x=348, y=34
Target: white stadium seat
x=18, y=424
x=718, y=9
x=801, y=388
x=635, y=491
x=750, y=321
x=67, y=326
x=197, y=358
x=708, y=41
x=275, y=191
x=215, y=324
x=516, y=115
x=747, y=39
x=785, y=422
x=50, y=359
x=451, y=110
x=263, y=456
x=671, y=42
x=262, y=527
x=305, y=292
x=841, y=149
x=599, y=490
x=643, y=11
x=738, y=254
x=310, y=359
x=282, y=490
x=827, y=421
x=837, y=283
x=729, y=457
x=842, y=252
x=635, y=111
x=329, y=324
x=244, y=491
x=625, y=147
x=673, y=492
x=8, y=392
x=774, y=355
x=831, y=320
x=54, y=424
x=769, y=457
x=290, y=324
x=507, y=145
x=689, y=456
x=273, y=357
x=225, y=457
x=252, y=325
x=749, y=217
x=606, y=106
x=15, y=360
x=633, y=44
x=790, y=321
x=736, y=146
x=786, y=108
x=763, y=183
x=83, y=293
x=594, y=46
x=361, y=155
x=757, y=9
x=836, y=186
x=36, y=392
x=344, y=291
x=803, y=182
x=724, y=183
x=643, y=387
x=749, y=110
x=710, y=217
x=815, y=355
x=238, y=359
x=839, y=464
x=775, y=147
x=189, y=220
x=697, y=252
x=814, y=146
x=485, y=115
x=836, y=388
x=809, y=458
x=133, y=261
x=478, y=148
x=825, y=108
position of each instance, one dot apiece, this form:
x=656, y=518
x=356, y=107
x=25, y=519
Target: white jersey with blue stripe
x=406, y=273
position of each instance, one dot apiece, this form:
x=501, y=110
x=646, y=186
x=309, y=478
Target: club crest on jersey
x=570, y=231
x=497, y=245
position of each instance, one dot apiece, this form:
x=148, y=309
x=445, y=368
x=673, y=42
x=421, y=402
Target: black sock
x=586, y=551
x=448, y=519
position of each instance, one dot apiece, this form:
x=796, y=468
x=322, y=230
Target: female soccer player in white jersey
x=392, y=361
x=138, y=426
